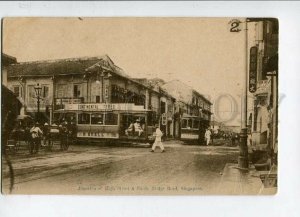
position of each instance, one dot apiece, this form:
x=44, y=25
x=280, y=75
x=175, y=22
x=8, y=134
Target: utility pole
x=243, y=155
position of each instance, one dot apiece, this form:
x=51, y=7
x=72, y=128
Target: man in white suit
x=157, y=142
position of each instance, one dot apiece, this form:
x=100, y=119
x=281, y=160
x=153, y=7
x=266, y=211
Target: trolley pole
x=243, y=155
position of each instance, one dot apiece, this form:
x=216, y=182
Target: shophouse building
x=263, y=118
x=189, y=104
x=166, y=104
x=69, y=83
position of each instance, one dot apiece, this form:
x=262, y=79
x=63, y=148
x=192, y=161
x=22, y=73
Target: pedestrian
x=157, y=142
x=207, y=136
x=63, y=131
x=36, y=134
x=130, y=129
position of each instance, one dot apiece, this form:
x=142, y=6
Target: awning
x=22, y=117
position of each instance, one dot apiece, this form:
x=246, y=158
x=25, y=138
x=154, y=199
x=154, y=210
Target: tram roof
x=99, y=111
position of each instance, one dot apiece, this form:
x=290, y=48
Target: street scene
x=120, y=170
x=139, y=106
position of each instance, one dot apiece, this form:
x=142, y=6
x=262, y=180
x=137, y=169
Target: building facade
x=263, y=120
x=95, y=80
x=190, y=104
x=164, y=104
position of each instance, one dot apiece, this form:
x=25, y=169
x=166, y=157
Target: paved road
x=182, y=169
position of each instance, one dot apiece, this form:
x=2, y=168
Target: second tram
x=193, y=129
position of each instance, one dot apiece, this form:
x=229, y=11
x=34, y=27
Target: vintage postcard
x=139, y=106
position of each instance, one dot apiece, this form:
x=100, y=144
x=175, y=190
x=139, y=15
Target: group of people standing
x=233, y=137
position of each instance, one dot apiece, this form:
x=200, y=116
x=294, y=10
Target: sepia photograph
x=139, y=105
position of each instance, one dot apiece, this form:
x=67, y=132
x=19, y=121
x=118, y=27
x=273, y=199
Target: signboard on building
x=164, y=119
x=253, y=69
x=62, y=101
x=104, y=107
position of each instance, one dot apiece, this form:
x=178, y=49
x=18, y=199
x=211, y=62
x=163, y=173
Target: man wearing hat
x=46, y=132
x=36, y=134
x=137, y=127
x=157, y=142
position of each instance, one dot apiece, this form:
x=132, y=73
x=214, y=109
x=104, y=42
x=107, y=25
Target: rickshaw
x=21, y=133
x=59, y=134
x=53, y=137
x=68, y=134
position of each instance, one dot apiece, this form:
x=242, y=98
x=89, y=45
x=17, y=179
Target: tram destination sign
x=104, y=107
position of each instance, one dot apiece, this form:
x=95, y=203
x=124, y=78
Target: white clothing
x=129, y=129
x=35, y=132
x=207, y=141
x=157, y=142
x=207, y=136
x=138, y=128
x=158, y=135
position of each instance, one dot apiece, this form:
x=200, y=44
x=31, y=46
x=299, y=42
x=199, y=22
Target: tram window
x=84, y=118
x=111, y=119
x=190, y=121
x=184, y=123
x=140, y=121
x=97, y=118
x=152, y=119
x=196, y=124
x=132, y=119
x=70, y=116
x=57, y=117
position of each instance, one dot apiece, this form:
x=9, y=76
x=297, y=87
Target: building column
x=146, y=105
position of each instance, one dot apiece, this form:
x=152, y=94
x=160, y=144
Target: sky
x=201, y=52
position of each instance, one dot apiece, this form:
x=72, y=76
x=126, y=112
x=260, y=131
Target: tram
x=192, y=129
x=119, y=121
